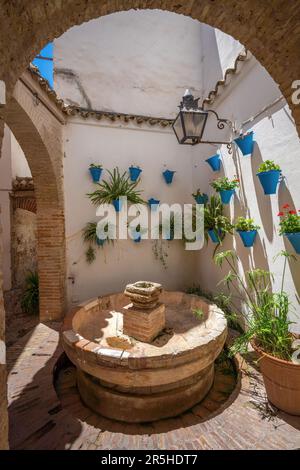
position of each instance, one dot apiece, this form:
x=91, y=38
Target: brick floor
x=241, y=419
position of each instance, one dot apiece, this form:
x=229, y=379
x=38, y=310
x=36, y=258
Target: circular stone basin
x=134, y=381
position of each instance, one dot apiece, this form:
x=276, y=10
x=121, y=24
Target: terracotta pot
x=282, y=381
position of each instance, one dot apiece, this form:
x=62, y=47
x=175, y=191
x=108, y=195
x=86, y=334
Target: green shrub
x=224, y=183
x=30, y=296
x=245, y=225
x=268, y=165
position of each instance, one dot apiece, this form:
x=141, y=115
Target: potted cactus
x=245, y=143
x=95, y=172
x=134, y=172
x=200, y=198
x=168, y=176
x=290, y=226
x=247, y=230
x=214, y=162
x=269, y=174
x=225, y=187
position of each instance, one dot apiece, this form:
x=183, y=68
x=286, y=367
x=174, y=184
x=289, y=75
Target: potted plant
x=216, y=224
x=214, y=162
x=245, y=143
x=168, y=176
x=290, y=226
x=247, y=230
x=200, y=198
x=134, y=172
x=225, y=187
x=267, y=329
x=95, y=171
x=153, y=203
x=89, y=235
x=118, y=185
x=269, y=174
x=137, y=233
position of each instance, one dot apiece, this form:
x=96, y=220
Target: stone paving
x=39, y=419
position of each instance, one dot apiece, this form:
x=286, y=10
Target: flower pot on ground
x=153, y=203
x=247, y=230
x=214, y=162
x=134, y=172
x=267, y=328
x=200, y=198
x=95, y=171
x=245, y=143
x=269, y=174
x=168, y=176
x=290, y=226
x=225, y=187
x=216, y=224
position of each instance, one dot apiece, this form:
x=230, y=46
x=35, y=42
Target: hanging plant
x=95, y=171
x=225, y=187
x=200, y=198
x=269, y=174
x=168, y=176
x=247, y=230
x=89, y=235
x=245, y=143
x=290, y=226
x=118, y=185
x=214, y=162
x=134, y=172
x=216, y=224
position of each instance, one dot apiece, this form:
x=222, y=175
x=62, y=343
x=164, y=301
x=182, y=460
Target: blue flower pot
x=294, y=239
x=213, y=236
x=168, y=175
x=96, y=174
x=245, y=143
x=137, y=238
x=248, y=237
x=170, y=238
x=226, y=195
x=269, y=180
x=201, y=199
x=153, y=203
x=134, y=173
x=100, y=242
x=214, y=162
x=117, y=204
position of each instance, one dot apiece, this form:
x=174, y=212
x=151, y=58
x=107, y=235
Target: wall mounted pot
x=245, y=143
x=214, y=162
x=294, y=239
x=226, y=195
x=153, y=203
x=168, y=175
x=248, y=237
x=134, y=172
x=269, y=180
x=213, y=236
x=117, y=204
x=201, y=198
x=137, y=238
x=100, y=242
x=95, y=173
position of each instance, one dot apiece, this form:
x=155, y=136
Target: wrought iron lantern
x=189, y=125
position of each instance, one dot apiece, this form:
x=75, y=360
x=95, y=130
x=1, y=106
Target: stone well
x=129, y=380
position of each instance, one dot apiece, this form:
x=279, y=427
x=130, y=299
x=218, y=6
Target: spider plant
x=215, y=220
x=89, y=235
x=117, y=185
x=30, y=297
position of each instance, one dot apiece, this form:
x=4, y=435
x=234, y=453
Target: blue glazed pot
x=294, y=239
x=245, y=143
x=117, y=204
x=269, y=180
x=100, y=242
x=153, y=203
x=201, y=199
x=248, y=237
x=213, y=236
x=226, y=195
x=134, y=173
x=168, y=175
x=137, y=239
x=214, y=162
x=95, y=173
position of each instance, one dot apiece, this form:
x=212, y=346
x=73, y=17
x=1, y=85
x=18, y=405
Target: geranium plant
x=245, y=225
x=268, y=165
x=94, y=165
x=290, y=220
x=224, y=183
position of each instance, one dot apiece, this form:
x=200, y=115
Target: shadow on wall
x=285, y=197
x=264, y=203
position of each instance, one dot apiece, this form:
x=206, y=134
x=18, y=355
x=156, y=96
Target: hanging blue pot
x=213, y=236
x=269, y=180
x=294, y=239
x=95, y=173
x=201, y=198
x=245, y=143
x=134, y=172
x=214, y=162
x=117, y=204
x=248, y=237
x=170, y=238
x=226, y=195
x=137, y=238
x=153, y=203
x=168, y=175
x=100, y=242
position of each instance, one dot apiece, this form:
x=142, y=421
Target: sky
x=45, y=65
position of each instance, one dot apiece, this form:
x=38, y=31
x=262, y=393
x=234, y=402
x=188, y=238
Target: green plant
x=90, y=255
x=118, y=185
x=94, y=165
x=30, y=296
x=268, y=165
x=198, y=312
x=198, y=193
x=224, y=183
x=214, y=219
x=89, y=235
x=245, y=225
x=265, y=313
x=290, y=220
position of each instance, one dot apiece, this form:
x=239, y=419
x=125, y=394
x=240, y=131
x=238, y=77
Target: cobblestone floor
x=39, y=419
